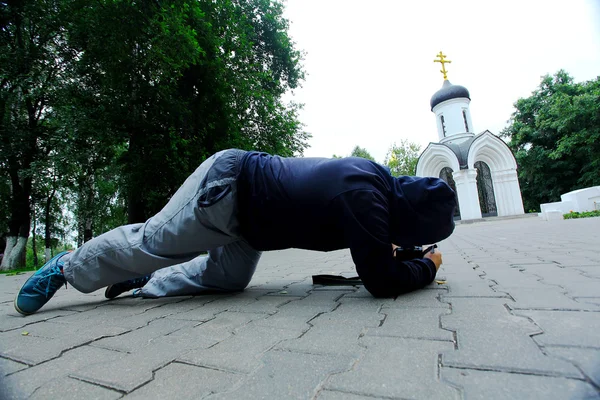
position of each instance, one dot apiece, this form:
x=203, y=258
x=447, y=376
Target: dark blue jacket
x=329, y=204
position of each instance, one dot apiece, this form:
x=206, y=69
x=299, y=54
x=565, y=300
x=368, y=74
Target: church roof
x=448, y=92
x=461, y=150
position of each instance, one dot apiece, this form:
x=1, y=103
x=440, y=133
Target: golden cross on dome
x=442, y=60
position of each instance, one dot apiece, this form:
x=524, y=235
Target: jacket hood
x=422, y=211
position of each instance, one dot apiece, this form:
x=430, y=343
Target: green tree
x=32, y=57
x=402, y=159
x=555, y=135
x=178, y=80
x=361, y=152
x=111, y=104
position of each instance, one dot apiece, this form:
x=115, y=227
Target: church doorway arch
x=446, y=176
x=485, y=189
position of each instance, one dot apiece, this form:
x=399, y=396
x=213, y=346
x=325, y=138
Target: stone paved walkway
x=518, y=317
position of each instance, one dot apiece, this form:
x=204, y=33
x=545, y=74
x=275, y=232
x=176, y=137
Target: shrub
x=584, y=214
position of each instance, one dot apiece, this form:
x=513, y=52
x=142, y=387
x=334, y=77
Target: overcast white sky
x=370, y=69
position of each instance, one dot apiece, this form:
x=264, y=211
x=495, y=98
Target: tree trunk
x=11, y=241
x=19, y=224
x=136, y=205
x=79, y=231
x=48, y=222
x=14, y=256
x=88, y=233
x=33, y=237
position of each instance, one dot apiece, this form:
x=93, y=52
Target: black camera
x=410, y=253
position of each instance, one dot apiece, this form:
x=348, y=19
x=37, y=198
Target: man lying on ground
x=238, y=204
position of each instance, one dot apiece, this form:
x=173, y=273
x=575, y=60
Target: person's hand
x=436, y=257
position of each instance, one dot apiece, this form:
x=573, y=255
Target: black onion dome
x=448, y=92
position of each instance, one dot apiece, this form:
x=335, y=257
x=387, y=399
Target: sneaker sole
x=19, y=310
x=106, y=293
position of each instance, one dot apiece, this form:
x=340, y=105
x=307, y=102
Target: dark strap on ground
x=335, y=280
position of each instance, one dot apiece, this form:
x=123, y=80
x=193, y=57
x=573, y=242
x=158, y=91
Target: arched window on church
x=443, y=125
x=465, y=119
x=446, y=176
x=485, y=188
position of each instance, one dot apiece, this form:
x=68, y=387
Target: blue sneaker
x=114, y=290
x=41, y=286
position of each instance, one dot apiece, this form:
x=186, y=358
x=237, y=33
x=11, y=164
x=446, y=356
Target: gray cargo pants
x=202, y=216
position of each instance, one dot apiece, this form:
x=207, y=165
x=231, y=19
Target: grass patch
x=17, y=271
x=584, y=214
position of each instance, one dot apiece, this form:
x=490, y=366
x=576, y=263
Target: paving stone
x=575, y=328
x=591, y=272
x=580, y=264
x=336, y=288
x=486, y=266
x=68, y=388
x=491, y=338
x=469, y=285
x=396, y=368
x=130, y=371
x=181, y=381
x=144, y=336
x=335, y=395
x=420, y=299
x=24, y=383
x=241, y=352
x=497, y=385
x=568, y=259
x=287, y=375
x=515, y=277
x=71, y=300
x=108, y=315
x=208, y=311
x=588, y=300
x=587, y=359
x=209, y=333
x=9, y=366
x=10, y=319
x=293, y=317
x=11, y=284
x=571, y=279
x=265, y=304
x=583, y=289
x=297, y=289
x=483, y=260
x=346, y=324
x=317, y=340
x=322, y=299
x=45, y=341
x=360, y=292
x=416, y=323
x=147, y=303
x=544, y=299
x=553, y=274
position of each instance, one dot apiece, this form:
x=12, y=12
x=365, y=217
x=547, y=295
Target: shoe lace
x=51, y=281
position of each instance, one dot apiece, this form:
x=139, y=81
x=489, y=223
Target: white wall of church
x=508, y=193
x=496, y=154
x=434, y=159
x=454, y=120
x=466, y=190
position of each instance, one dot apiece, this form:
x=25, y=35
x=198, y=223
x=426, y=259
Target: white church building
x=480, y=168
